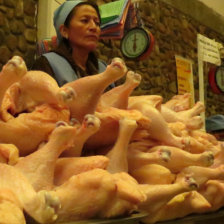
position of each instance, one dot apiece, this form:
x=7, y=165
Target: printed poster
x=185, y=77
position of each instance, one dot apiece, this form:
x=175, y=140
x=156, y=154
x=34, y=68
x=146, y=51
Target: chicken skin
x=118, y=97
x=90, y=88
x=11, y=72
x=29, y=130
x=42, y=206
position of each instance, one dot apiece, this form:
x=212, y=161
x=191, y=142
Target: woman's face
x=84, y=28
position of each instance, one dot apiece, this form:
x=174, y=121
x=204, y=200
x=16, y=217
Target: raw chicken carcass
x=199, y=145
x=153, y=174
x=106, y=195
x=41, y=206
x=213, y=191
x=189, y=117
x=219, y=157
x=28, y=130
x=159, y=195
x=39, y=166
x=35, y=88
x=201, y=174
x=153, y=100
x=197, y=140
x=90, y=88
x=11, y=72
x=158, y=128
x=109, y=128
x=141, y=141
x=200, y=134
x=179, y=102
x=68, y=167
x=129, y=196
x=180, y=206
x=118, y=96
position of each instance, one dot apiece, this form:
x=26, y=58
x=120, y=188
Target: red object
x=212, y=80
x=151, y=44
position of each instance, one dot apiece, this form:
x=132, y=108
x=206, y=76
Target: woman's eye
x=97, y=23
x=84, y=20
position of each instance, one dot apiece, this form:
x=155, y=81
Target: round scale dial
x=219, y=76
x=135, y=43
x=216, y=79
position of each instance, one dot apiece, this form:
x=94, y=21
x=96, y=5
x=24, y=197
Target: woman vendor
x=77, y=24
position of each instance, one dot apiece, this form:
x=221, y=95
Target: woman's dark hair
x=72, y=13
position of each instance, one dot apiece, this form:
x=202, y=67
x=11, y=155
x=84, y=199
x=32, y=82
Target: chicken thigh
x=153, y=174
x=68, y=167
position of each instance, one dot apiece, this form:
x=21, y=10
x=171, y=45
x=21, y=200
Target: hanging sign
x=185, y=76
x=208, y=50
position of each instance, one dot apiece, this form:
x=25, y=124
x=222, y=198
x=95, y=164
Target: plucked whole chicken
x=125, y=153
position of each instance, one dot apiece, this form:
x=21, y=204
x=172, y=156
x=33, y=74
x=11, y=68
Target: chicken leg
x=137, y=158
x=159, y=195
x=39, y=166
x=118, y=96
x=201, y=174
x=158, y=129
x=180, y=159
x=118, y=154
x=89, y=89
x=90, y=125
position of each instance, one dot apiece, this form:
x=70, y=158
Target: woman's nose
x=93, y=24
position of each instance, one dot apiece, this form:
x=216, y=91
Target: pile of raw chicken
x=77, y=152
